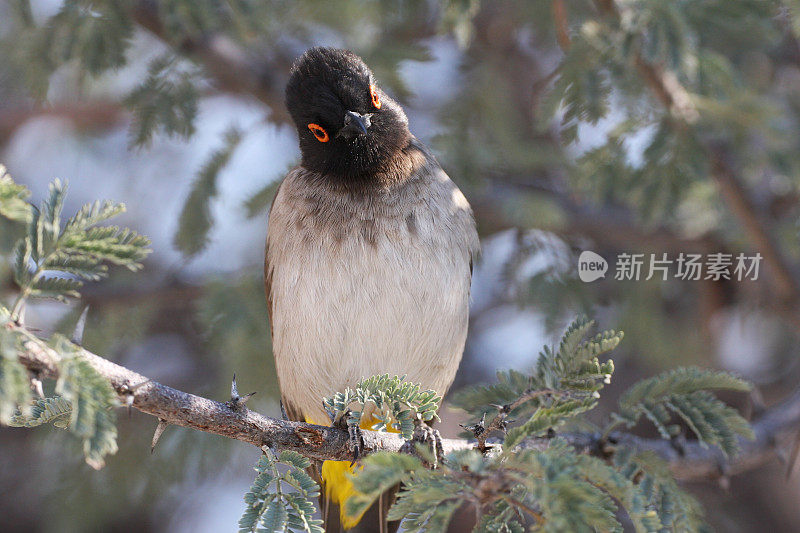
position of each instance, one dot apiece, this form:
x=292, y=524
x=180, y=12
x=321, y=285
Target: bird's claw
x=356, y=441
x=351, y=423
x=426, y=443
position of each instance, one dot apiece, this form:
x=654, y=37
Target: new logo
x=591, y=266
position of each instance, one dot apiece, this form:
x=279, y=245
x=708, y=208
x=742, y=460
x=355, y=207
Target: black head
x=348, y=127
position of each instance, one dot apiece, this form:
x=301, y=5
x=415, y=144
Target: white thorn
x=36, y=384
x=162, y=425
x=80, y=326
x=234, y=389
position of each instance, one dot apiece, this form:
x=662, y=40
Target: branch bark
x=773, y=428
x=561, y=21
x=83, y=116
x=188, y=410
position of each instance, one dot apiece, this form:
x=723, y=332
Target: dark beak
x=354, y=124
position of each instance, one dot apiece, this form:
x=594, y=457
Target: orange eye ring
x=373, y=93
x=319, y=132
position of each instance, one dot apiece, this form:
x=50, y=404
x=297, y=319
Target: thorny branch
x=774, y=428
x=500, y=421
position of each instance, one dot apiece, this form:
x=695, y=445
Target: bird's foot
x=356, y=440
x=352, y=425
x=426, y=443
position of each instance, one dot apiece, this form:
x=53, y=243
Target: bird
x=369, y=256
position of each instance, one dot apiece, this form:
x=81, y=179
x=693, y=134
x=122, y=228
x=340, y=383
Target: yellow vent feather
x=338, y=486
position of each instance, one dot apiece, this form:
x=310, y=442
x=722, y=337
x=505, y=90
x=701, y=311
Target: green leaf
x=397, y=404
x=558, y=484
x=83, y=266
x=35, y=234
x=92, y=214
x=566, y=382
x=92, y=399
x=293, y=458
x=50, y=217
x=427, y=499
x=119, y=246
x=261, y=200
x=681, y=381
x=382, y=471
x=275, y=517
x=195, y=220
x=546, y=418
x=166, y=100
x=13, y=204
x=58, y=288
x=270, y=507
x=55, y=410
x=675, y=509
x=622, y=489
x=76, y=250
x=683, y=392
x=22, y=262
x=96, y=38
x=15, y=391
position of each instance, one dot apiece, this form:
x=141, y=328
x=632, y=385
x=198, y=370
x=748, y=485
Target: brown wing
x=292, y=412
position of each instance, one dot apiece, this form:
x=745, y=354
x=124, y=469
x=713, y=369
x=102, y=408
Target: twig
x=562, y=24
x=499, y=423
x=533, y=513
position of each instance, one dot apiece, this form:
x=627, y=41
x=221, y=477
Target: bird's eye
x=319, y=132
x=373, y=93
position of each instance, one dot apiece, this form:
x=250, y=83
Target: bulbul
x=369, y=254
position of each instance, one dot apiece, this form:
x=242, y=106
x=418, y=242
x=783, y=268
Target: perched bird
x=369, y=254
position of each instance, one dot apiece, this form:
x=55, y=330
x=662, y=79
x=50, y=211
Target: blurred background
x=628, y=126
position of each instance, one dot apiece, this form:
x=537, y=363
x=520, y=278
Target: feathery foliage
x=165, y=101
x=15, y=391
x=676, y=509
x=83, y=403
x=195, y=220
x=736, y=95
x=52, y=260
x=281, y=498
x=556, y=488
x=684, y=392
x=262, y=198
x=13, y=204
x=391, y=402
x=572, y=366
x=92, y=418
x=55, y=258
x=54, y=410
x=92, y=35
x=549, y=484
x=565, y=382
